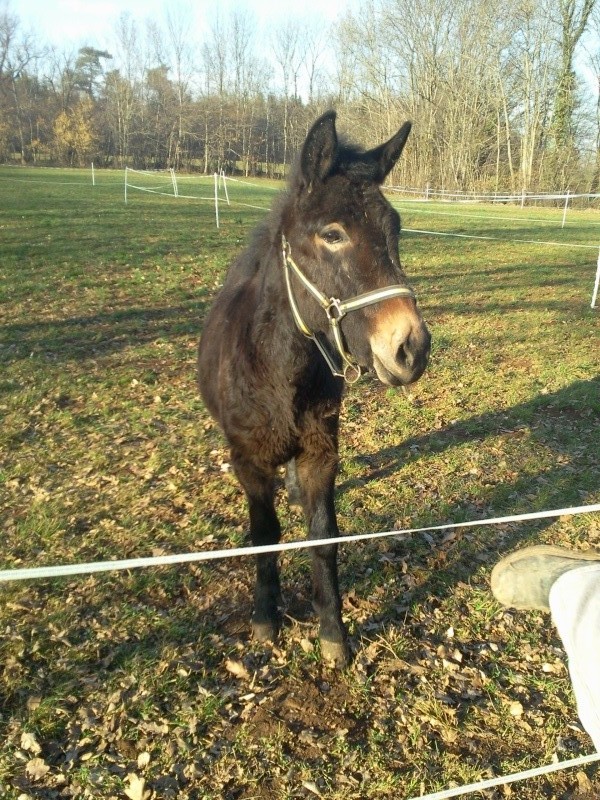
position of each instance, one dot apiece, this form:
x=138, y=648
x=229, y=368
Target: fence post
x=225, y=186
x=427, y=191
x=174, y=182
x=565, y=208
x=597, y=283
x=93, y=175
x=217, y=199
x=125, y=185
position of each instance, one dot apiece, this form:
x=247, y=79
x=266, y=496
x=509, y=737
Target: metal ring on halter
x=347, y=370
x=334, y=310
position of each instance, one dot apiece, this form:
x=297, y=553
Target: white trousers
x=575, y=607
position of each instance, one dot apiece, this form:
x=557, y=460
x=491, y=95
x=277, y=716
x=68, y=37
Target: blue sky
x=77, y=22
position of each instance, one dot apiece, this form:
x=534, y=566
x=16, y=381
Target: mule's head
x=343, y=235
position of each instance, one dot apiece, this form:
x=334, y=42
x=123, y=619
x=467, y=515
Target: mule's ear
x=387, y=154
x=319, y=150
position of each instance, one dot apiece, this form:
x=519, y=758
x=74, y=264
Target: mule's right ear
x=387, y=154
x=319, y=150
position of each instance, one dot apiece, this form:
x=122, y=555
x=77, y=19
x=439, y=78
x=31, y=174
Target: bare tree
x=288, y=51
x=123, y=86
x=214, y=58
x=182, y=55
x=17, y=51
x=573, y=18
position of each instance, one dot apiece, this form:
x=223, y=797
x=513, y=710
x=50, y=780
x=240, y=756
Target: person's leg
x=575, y=608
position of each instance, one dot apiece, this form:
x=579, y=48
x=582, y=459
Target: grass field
x=147, y=684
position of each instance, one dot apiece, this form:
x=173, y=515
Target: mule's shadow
x=566, y=422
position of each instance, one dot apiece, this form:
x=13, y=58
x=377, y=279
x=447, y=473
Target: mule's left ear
x=320, y=149
x=387, y=154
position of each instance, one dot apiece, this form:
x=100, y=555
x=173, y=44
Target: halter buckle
x=334, y=311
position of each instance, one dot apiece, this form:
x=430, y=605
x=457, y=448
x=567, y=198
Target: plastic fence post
x=225, y=186
x=217, y=199
x=597, y=282
x=564, y=217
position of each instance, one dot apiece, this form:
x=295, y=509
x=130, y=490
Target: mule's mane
x=356, y=163
x=351, y=160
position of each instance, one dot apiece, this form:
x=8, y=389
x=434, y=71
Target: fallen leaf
x=135, y=791
x=237, y=669
x=516, y=709
x=33, y=702
x=37, y=768
x=312, y=787
x=30, y=743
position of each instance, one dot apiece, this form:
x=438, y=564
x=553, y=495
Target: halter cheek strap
x=350, y=370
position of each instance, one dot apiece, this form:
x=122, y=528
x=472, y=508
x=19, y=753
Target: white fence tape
x=479, y=786
x=496, y=197
x=570, y=245
x=63, y=570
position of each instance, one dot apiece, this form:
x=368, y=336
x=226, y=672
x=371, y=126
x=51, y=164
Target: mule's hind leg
x=264, y=529
x=316, y=477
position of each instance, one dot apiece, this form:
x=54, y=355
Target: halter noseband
x=335, y=310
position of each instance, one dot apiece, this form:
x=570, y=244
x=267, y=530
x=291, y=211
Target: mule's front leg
x=316, y=480
x=264, y=530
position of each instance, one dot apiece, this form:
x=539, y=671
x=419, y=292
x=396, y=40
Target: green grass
x=107, y=452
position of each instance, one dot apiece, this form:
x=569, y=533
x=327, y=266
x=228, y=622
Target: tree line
x=495, y=91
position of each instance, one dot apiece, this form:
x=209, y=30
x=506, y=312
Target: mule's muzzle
x=400, y=356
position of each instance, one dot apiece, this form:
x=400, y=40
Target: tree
x=182, y=57
x=89, y=69
x=573, y=20
x=525, y=79
x=492, y=90
x=289, y=49
x=122, y=91
x=74, y=135
x=17, y=51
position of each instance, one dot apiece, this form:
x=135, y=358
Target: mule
x=316, y=299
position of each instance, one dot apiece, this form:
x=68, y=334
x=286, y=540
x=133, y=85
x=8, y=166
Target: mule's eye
x=334, y=235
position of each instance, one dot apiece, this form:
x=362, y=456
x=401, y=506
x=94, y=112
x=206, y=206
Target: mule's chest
x=275, y=427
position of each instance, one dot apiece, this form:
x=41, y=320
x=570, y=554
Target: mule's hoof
x=335, y=653
x=265, y=631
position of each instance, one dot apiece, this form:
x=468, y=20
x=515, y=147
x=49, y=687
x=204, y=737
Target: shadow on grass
x=566, y=422
x=80, y=338
x=577, y=405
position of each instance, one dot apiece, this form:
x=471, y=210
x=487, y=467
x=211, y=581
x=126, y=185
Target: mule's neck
x=295, y=355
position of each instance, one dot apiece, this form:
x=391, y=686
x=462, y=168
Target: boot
x=523, y=579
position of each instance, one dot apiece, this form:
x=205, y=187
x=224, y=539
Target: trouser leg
x=575, y=608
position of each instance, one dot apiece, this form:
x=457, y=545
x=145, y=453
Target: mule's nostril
x=403, y=356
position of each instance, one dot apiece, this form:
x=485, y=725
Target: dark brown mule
x=318, y=296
